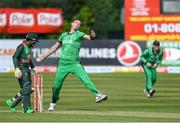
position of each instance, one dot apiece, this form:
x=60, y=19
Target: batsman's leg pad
x=26, y=95
x=16, y=99
x=27, y=88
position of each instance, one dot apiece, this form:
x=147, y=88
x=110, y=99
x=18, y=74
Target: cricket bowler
x=22, y=60
x=70, y=43
x=150, y=59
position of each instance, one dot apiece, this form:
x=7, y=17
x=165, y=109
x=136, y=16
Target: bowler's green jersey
x=149, y=56
x=71, y=44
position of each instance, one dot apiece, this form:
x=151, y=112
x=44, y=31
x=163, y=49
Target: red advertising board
x=144, y=21
x=20, y=21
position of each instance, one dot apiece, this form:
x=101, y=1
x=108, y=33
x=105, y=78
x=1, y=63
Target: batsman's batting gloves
x=18, y=73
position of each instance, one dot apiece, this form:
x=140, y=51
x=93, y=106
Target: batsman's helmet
x=32, y=36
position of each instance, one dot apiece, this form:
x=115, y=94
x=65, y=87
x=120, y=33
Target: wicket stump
x=38, y=93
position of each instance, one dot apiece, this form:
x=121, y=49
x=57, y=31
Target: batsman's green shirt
x=71, y=44
x=22, y=56
x=149, y=56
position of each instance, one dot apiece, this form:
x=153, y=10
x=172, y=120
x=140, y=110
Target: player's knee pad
x=27, y=88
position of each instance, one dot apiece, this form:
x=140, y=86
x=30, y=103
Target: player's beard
x=33, y=45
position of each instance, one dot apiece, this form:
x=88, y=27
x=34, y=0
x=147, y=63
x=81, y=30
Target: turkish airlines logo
x=17, y=19
x=128, y=53
x=49, y=19
x=171, y=54
x=2, y=19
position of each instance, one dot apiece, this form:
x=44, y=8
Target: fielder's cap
x=32, y=36
x=156, y=43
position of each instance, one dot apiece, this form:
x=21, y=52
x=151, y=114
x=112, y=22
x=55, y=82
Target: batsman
x=150, y=60
x=23, y=65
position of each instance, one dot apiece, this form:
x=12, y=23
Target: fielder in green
x=70, y=43
x=23, y=62
x=150, y=60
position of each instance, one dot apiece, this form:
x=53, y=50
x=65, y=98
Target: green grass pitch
x=126, y=102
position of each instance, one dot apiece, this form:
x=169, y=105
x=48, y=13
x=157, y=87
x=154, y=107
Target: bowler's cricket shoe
x=151, y=92
x=147, y=93
x=52, y=107
x=9, y=102
x=100, y=97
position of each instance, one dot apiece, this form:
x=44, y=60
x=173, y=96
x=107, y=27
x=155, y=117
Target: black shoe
x=151, y=92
